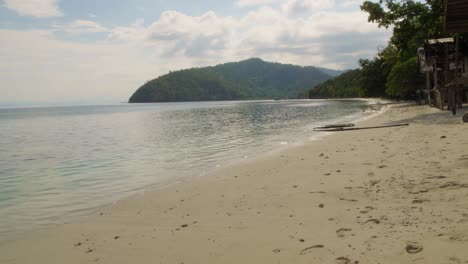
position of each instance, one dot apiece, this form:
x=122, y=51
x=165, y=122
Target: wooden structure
x=445, y=64
x=445, y=61
x=456, y=16
x=456, y=22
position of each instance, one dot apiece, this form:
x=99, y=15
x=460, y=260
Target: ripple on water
x=60, y=162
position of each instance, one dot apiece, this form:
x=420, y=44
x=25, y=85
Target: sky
x=103, y=50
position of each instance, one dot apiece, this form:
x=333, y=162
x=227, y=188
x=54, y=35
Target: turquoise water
x=58, y=163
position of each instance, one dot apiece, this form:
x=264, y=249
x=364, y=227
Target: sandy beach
x=390, y=195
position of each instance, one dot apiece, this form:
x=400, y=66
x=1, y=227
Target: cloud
x=300, y=7
x=193, y=35
x=35, y=8
x=348, y=3
x=244, y=3
x=265, y=32
x=351, y=46
x=135, y=33
x=57, y=70
x=130, y=55
x=84, y=26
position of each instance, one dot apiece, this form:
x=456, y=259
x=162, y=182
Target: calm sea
x=59, y=163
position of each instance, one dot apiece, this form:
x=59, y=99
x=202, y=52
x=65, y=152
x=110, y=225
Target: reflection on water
x=59, y=162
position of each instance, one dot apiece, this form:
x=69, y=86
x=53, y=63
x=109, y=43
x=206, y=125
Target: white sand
x=352, y=197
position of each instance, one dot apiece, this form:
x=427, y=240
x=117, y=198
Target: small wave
x=147, y=147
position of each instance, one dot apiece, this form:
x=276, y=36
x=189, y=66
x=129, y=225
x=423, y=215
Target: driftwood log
x=335, y=126
x=359, y=128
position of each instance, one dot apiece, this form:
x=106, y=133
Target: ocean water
x=60, y=163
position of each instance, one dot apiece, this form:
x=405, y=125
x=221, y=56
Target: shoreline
x=377, y=196
x=13, y=230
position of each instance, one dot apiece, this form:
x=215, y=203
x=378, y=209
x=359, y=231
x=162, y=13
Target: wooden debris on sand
x=335, y=126
x=334, y=129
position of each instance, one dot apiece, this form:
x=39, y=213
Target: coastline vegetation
x=248, y=79
x=394, y=71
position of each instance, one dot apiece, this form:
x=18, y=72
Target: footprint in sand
x=343, y=260
x=457, y=260
x=464, y=219
x=413, y=247
x=367, y=209
x=419, y=201
x=373, y=220
x=374, y=182
x=349, y=200
x=308, y=250
x=436, y=177
x=454, y=185
x=342, y=232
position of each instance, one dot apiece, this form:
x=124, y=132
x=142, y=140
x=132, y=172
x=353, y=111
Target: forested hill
x=248, y=79
x=347, y=84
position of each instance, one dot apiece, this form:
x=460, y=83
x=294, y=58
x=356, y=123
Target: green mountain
x=248, y=79
x=348, y=84
x=332, y=73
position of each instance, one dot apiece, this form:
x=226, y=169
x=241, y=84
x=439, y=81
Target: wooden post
x=455, y=78
x=428, y=88
x=446, y=77
x=438, y=97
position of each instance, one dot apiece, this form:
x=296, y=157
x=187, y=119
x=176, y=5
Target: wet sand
x=390, y=195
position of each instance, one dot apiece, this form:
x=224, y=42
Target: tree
x=347, y=84
x=404, y=79
x=413, y=21
x=372, y=79
x=390, y=56
x=393, y=72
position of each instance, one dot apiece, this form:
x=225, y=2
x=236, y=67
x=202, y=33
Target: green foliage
x=188, y=85
x=412, y=21
x=394, y=71
x=249, y=79
x=404, y=79
x=390, y=56
x=373, y=80
x=347, y=84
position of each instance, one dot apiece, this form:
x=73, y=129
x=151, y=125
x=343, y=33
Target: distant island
x=248, y=79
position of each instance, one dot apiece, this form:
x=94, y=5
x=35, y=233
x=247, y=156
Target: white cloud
x=243, y=3
x=84, y=26
x=35, y=8
x=133, y=54
x=91, y=15
x=349, y=3
x=56, y=70
x=266, y=32
x=300, y=7
x=135, y=33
